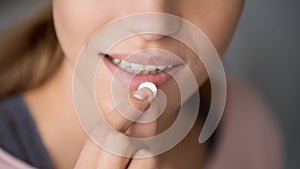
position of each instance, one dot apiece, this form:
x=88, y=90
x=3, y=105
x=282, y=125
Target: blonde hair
x=30, y=53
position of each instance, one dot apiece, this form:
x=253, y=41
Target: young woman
x=38, y=124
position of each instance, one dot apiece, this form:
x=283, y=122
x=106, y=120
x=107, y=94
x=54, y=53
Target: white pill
x=151, y=86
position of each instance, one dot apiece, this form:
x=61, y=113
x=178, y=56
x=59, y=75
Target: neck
x=51, y=106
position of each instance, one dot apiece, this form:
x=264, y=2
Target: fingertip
x=149, y=85
x=142, y=94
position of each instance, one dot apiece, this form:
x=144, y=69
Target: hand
x=93, y=157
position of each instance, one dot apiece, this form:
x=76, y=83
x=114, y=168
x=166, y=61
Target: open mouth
x=135, y=68
x=134, y=72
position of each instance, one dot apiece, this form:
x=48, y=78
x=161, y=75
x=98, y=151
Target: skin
x=75, y=21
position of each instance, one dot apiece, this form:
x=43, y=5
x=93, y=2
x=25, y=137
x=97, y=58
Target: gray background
x=264, y=51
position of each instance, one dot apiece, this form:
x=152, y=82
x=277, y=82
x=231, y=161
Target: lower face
x=77, y=20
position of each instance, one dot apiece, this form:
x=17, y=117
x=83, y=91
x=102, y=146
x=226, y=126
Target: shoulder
x=249, y=135
x=10, y=103
x=19, y=135
x=13, y=114
x=8, y=161
x=248, y=104
x=12, y=109
x=8, y=108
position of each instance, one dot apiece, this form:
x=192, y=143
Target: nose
x=153, y=19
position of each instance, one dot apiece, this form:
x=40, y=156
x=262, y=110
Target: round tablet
x=150, y=86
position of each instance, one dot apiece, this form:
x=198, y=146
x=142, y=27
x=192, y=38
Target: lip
x=134, y=80
x=148, y=57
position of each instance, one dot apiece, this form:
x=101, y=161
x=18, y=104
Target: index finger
x=140, y=102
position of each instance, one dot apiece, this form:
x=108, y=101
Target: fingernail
x=146, y=90
x=151, y=86
x=142, y=94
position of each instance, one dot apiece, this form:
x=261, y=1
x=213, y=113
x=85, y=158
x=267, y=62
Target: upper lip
x=148, y=57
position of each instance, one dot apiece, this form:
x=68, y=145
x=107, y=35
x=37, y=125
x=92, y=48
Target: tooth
x=144, y=72
x=116, y=61
x=169, y=67
x=136, y=67
x=124, y=65
x=153, y=72
x=150, y=67
x=140, y=69
x=127, y=63
x=134, y=71
x=161, y=67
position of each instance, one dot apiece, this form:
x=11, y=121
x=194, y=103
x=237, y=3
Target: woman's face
x=77, y=20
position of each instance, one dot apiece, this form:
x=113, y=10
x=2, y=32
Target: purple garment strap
x=9, y=162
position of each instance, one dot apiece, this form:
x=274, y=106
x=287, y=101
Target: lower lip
x=134, y=80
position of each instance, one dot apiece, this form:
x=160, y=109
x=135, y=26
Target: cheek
x=75, y=21
x=217, y=19
x=103, y=88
